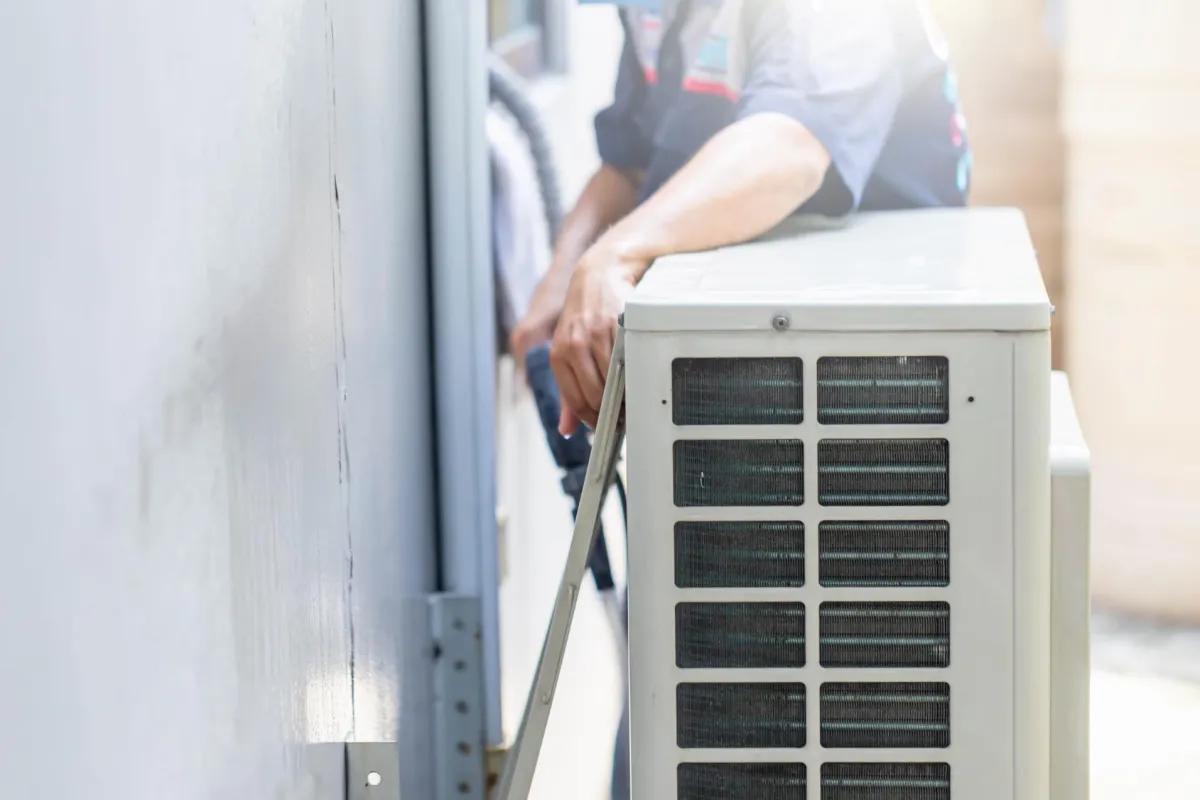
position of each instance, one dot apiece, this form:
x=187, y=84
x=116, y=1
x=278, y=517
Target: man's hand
x=537, y=326
x=608, y=196
x=587, y=329
x=743, y=182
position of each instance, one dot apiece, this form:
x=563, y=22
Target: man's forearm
x=744, y=181
x=608, y=196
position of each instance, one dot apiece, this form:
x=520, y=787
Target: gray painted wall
x=215, y=500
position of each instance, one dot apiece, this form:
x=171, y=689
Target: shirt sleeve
x=619, y=139
x=830, y=65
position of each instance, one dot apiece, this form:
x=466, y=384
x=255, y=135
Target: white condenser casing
x=842, y=580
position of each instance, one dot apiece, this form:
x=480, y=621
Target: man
x=729, y=116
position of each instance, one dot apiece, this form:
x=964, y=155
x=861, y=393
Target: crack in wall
x=340, y=359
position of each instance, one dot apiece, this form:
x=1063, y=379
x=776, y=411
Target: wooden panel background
x=1131, y=114
x=1008, y=76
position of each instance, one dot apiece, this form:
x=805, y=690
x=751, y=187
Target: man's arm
x=743, y=182
x=818, y=101
x=608, y=197
x=611, y=193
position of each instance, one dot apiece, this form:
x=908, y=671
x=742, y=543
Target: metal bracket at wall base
x=372, y=771
x=462, y=763
x=493, y=764
x=458, y=710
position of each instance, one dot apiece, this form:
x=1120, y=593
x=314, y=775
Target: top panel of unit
x=924, y=270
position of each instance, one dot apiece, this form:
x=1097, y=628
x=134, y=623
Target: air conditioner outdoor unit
x=848, y=578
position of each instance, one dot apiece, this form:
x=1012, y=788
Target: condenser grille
x=733, y=715
x=885, y=715
x=905, y=390
x=885, y=553
x=876, y=635
x=742, y=782
x=748, y=555
x=884, y=472
x=737, y=391
x=739, y=635
x=739, y=472
x=903, y=781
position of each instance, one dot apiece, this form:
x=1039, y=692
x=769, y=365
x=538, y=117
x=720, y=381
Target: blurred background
x=252, y=419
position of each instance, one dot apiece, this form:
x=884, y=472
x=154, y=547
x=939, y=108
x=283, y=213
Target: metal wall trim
x=464, y=319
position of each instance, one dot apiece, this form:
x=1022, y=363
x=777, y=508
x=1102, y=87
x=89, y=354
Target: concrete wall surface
x=215, y=502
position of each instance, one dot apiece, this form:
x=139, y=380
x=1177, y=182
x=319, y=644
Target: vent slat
x=885, y=635
x=739, y=472
x=885, y=715
x=737, y=391
x=739, y=635
x=900, y=781
x=904, y=390
x=886, y=553
x=736, y=715
x=742, y=782
x=884, y=472
x=739, y=554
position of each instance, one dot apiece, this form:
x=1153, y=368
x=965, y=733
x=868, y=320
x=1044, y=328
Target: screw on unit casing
x=781, y=322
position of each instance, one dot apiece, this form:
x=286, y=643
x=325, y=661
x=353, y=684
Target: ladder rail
x=519, y=766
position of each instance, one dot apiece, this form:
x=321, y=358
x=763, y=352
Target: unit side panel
x=979, y=593
x=1071, y=638
x=1070, y=605
x=1032, y=553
